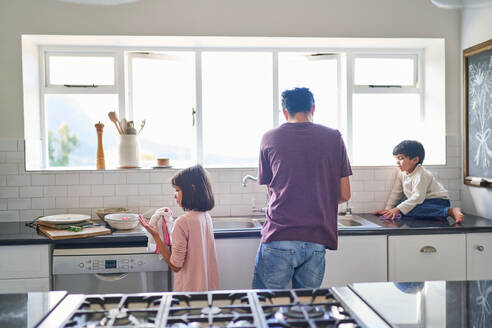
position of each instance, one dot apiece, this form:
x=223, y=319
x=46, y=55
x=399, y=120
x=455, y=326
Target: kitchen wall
x=24, y=196
x=476, y=27
x=27, y=195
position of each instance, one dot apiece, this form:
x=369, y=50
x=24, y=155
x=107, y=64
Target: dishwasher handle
x=110, y=276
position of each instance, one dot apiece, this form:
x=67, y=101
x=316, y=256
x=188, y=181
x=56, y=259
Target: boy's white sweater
x=416, y=186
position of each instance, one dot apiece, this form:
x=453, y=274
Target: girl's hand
x=147, y=226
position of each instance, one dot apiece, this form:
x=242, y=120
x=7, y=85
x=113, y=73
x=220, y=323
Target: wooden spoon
x=112, y=116
x=124, y=126
x=141, y=126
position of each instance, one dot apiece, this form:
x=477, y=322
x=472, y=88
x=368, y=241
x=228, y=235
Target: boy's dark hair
x=297, y=100
x=411, y=149
x=196, y=189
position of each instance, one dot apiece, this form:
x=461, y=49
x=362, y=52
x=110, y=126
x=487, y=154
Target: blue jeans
x=279, y=262
x=431, y=208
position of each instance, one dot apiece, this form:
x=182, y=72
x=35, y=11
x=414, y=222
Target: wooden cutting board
x=65, y=234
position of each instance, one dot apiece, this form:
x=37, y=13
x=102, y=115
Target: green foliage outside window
x=61, y=145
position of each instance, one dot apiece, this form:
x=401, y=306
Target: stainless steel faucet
x=348, y=210
x=248, y=177
x=254, y=209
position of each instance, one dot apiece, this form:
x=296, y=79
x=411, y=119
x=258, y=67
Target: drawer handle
x=428, y=249
x=480, y=248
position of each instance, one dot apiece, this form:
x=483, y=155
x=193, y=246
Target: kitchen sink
x=235, y=223
x=245, y=222
x=354, y=221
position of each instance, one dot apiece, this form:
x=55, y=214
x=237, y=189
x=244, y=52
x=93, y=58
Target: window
x=320, y=73
x=79, y=90
x=212, y=105
x=162, y=93
x=386, y=106
x=237, y=106
x=391, y=70
x=80, y=70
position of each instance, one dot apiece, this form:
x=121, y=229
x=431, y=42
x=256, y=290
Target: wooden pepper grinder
x=100, y=165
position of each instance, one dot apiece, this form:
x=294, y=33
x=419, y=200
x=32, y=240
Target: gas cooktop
x=242, y=308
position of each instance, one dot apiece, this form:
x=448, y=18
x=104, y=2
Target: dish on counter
x=122, y=221
x=102, y=212
x=64, y=218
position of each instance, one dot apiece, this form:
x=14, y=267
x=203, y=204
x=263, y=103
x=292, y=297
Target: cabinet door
x=478, y=256
x=427, y=257
x=358, y=259
x=24, y=285
x=236, y=261
x=24, y=261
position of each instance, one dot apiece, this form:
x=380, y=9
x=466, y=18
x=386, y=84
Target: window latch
x=384, y=86
x=193, y=114
x=80, y=85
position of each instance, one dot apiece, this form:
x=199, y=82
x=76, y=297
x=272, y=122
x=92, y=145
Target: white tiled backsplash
x=27, y=195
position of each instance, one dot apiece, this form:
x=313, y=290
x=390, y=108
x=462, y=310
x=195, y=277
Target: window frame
x=417, y=88
x=122, y=55
x=46, y=88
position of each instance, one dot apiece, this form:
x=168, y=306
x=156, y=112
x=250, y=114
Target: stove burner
x=297, y=311
x=211, y=310
x=117, y=313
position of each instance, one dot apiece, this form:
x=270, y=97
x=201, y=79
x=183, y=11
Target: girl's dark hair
x=196, y=189
x=411, y=149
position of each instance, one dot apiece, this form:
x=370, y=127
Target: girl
x=193, y=256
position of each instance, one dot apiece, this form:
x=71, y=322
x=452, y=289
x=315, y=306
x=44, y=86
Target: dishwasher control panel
x=112, y=263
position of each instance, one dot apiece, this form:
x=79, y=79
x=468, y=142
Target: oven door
x=109, y=270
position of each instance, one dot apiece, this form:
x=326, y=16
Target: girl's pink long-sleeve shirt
x=193, y=249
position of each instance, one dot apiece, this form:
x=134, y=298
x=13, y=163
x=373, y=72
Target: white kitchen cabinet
x=358, y=259
x=427, y=257
x=25, y=268
x=236, y=261
x=24, y=285
x=478, y=256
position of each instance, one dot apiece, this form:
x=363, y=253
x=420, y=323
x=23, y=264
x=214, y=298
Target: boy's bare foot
x=455, y=213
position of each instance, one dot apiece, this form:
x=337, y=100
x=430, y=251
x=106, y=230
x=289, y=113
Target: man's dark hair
x=196, y=189
x=297, y=100
x=411, y=149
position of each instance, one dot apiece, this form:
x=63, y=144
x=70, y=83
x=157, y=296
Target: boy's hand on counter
x=392, y=214
x=378, y=212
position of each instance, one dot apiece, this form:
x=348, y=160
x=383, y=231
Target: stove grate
x=248, y=308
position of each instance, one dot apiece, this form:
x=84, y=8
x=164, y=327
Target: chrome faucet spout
x=248, y=177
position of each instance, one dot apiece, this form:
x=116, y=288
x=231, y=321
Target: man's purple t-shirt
x=302, y=164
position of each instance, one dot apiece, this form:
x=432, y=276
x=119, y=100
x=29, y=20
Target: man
x=306, y=169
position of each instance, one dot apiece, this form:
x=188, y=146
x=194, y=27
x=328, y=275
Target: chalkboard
x=479, y=300
x=477, y=116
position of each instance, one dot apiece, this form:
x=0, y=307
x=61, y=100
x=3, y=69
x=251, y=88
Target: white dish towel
x=162, y=220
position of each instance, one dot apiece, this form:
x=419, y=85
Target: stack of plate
x=64, y=221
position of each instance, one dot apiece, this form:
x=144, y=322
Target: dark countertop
x=412, y=226
x=450, y=304
x=20, y=233
x=26, y=310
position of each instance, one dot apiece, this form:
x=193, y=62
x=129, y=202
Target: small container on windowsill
x=162, y=163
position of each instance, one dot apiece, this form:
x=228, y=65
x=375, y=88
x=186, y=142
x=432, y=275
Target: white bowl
x=122, y=221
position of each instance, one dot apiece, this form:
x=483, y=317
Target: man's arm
x=344, y=190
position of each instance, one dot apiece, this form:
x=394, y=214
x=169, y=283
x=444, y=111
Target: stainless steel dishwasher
x=109, y=270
